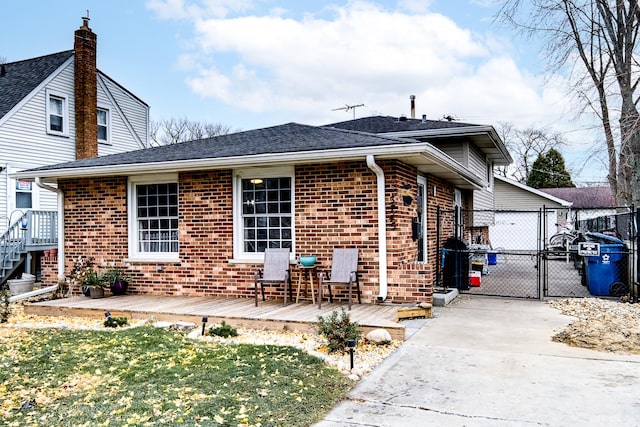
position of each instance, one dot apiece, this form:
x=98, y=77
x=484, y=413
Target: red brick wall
x=49, y=269
x=335, y=206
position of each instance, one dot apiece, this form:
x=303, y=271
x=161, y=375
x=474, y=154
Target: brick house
x=194, y=218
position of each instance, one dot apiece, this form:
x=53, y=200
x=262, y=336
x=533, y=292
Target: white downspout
x=382, y=225
x=60, y=225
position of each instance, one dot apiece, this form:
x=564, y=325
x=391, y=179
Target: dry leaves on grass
x=601, y=324
x=367, y=356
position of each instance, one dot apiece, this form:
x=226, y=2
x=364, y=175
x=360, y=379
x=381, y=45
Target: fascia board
x=37, y=89
x=454, y=166
x=459, y=131
x=228, y=162
x=383, y=152
x=535, y=191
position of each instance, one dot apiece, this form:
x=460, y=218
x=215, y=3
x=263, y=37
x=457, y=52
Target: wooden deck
x=240, y=312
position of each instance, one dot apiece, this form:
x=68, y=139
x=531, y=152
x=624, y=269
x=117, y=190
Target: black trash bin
x=606, y=274
x=455, y=264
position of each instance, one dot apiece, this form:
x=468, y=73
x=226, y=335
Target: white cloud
x=363, y=52
x=360, y=53
x=254, y=57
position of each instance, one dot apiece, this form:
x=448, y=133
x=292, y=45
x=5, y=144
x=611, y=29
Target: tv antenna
x=348, y=107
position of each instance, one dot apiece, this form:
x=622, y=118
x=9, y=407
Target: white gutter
x=60, y=225
x=382, y=226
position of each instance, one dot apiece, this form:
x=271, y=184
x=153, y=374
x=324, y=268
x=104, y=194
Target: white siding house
x=55, y=109
x=26, y=141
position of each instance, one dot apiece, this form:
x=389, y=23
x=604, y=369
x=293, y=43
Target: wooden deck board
x=239, y=312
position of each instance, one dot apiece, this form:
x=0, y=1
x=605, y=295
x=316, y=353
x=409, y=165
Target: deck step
x=238, y=312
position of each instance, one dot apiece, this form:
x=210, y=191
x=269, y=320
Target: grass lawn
x=150, y=376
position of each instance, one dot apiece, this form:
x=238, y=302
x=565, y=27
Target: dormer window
x=57, y=114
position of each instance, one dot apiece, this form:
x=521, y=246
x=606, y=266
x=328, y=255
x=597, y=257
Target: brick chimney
x=86, y=92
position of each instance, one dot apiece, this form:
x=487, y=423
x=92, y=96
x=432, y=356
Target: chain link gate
x=500, y=259
x=534, y=254
x=611, y=271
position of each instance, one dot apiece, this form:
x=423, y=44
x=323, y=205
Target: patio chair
x=275, y=271
x=344, y=271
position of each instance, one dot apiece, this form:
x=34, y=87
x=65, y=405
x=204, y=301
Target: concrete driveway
x=491, y=362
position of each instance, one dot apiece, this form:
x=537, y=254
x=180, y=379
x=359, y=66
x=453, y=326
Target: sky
x=249, y=64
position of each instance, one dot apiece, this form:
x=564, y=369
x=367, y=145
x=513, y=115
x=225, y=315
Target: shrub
x=4, y=303
x=224, y=330
x=114, y=322
x=338, y=329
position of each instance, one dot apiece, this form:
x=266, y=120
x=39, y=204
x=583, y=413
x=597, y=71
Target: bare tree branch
x=177, y=130
x=603, y=35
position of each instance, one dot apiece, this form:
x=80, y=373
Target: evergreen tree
x=548, y=171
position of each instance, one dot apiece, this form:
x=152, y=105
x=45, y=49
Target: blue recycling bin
x=606, y=274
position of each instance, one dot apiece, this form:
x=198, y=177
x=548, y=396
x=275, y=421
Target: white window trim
x=134, y=254
x=11, y=199
x=489, y=175
x=457, y=202
x=239, y=255
x=422, y=181
x=108, y=124
x=65, y=112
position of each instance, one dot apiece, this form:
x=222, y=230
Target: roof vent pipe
x=413, y=106
x=424, y=118
x=382, y=226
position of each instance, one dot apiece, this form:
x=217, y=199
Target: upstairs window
x=103, y=125
x=57, y=114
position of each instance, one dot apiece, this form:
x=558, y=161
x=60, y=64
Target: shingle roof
x=585, y=197
x=21, y=77
x=385, y=124
x=286, y=138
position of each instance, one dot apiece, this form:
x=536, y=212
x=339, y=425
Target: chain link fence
x=536, y=254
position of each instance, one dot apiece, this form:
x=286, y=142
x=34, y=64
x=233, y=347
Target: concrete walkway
x=491, y=362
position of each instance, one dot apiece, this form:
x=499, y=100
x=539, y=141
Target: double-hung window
x=263, y=211
x=57, y=113
x=153, y=218
x=103, y=125
x=24, y=199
